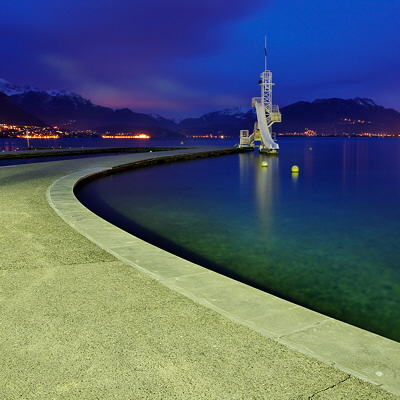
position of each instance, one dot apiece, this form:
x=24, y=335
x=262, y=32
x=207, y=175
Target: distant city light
x=209, y=136
x=38, y=132
x=138, y=136
x=38, y=136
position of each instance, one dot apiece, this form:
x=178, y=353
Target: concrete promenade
x=88, y=311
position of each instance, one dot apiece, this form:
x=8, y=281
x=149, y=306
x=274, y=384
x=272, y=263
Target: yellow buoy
x=264, y=164
x=295, y=169
x=310, y=148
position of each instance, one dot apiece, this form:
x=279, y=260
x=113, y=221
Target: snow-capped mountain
x=325, y=116
x=10, y=90
x=237, y=112
x=364, y=102
x=72, y=111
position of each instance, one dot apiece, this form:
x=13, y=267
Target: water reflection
x=307, y=170
x=9, y=146
x=355, y=163
x=325, y=238
x=266, y=189
x=266, y=185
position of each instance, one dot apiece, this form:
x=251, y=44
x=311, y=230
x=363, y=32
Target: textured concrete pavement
x=78, y=323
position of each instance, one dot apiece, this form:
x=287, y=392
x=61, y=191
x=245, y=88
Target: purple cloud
x=186, y=57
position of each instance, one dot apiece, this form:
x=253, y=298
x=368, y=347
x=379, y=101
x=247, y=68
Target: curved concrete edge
x=358, y=352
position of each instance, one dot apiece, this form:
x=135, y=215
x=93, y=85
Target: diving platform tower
x=262, y=136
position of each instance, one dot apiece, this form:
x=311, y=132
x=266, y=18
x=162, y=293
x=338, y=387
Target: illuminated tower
x=267, y=114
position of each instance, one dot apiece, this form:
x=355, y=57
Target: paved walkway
x=77, y=322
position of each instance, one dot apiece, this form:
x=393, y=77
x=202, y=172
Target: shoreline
x=260, y=298
x=276, y=324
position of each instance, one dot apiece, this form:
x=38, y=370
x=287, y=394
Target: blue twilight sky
x=183, y=58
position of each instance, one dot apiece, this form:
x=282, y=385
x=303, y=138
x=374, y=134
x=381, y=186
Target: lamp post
x=27, y=137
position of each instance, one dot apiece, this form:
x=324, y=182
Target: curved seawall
x=353, y=350
x=77, y=322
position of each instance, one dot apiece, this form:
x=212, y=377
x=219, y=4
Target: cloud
x=122, y=43
x=200, y=54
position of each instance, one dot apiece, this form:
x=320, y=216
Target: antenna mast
x=265, y=53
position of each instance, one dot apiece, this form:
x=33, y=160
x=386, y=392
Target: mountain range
x=73, y=112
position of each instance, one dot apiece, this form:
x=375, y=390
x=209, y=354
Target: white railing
x=275, y=115
x=246, y=140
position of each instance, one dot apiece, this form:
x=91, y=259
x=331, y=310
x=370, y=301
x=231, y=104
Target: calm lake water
x=327, y=238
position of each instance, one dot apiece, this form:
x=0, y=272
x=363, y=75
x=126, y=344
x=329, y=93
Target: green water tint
x=326, y=238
